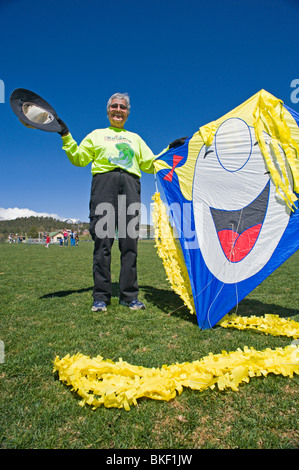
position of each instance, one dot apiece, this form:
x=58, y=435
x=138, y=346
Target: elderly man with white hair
x=117, y=158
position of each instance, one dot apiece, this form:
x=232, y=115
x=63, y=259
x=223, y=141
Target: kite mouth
x=238, y=230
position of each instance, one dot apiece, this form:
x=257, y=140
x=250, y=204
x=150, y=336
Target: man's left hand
x=177, y=142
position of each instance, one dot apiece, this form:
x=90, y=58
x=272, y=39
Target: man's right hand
x=64, y=129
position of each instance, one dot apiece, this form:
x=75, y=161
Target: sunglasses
x=115, y=106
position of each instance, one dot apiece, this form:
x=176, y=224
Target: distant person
x=72, y=237
x=65, y=237
x=117, y=158
x=47, y=241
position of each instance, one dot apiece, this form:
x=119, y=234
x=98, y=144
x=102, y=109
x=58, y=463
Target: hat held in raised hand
x=33, y=111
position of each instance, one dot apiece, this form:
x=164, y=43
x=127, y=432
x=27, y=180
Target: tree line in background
x=32, y=226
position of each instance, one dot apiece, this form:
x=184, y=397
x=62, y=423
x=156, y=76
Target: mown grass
x=46, y=297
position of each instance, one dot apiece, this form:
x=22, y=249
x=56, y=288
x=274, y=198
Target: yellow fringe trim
x=269, y=324
x=207, y=133
x=268, y=119
x=103, y=382
x=170, y=253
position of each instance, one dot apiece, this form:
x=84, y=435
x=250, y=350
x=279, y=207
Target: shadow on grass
x=248, y=307
x=65, y=293
x=169, y=302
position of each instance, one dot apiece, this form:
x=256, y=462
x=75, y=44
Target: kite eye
x=233, y=144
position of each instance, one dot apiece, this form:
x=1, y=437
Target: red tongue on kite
x=236, y=246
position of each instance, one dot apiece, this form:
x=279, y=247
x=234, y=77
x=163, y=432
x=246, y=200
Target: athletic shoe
x=99, y=306
x=133, y=305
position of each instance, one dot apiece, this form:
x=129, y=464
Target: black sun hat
x=33, y=111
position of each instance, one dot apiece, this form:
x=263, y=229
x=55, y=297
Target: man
x=117, y=158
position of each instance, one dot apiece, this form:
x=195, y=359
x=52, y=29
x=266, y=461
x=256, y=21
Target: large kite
x=232, y=193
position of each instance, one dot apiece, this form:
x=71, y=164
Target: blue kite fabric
x=232, y=193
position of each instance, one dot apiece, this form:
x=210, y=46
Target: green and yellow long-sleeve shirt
x=110, y=148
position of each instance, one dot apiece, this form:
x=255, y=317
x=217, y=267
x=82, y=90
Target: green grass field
x=46, y=297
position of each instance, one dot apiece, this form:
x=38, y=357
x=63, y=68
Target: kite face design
x=233, y=190
x=235, y=204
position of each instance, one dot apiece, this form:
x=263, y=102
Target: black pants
x=115, y=207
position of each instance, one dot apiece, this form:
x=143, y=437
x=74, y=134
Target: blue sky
x=183, y=63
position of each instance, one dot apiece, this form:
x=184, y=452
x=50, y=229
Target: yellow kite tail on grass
x=105, y=383
x=268, y=324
